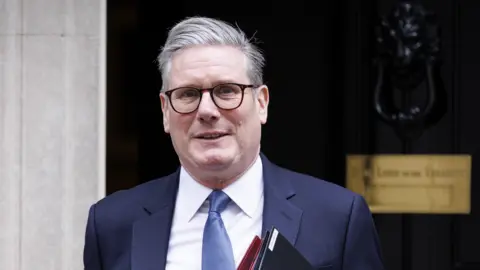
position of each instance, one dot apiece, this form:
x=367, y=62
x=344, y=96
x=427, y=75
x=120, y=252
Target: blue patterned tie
x=217, y=253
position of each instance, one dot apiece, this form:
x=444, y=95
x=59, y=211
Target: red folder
x=248, y=260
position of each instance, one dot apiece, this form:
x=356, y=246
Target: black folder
x=277, y=253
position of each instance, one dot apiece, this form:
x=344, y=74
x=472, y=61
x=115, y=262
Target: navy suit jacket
x=330, y=225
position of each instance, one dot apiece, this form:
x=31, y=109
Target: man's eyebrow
x=221, y=81
x=200, y=85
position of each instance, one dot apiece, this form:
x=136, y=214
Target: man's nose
x=207, y=110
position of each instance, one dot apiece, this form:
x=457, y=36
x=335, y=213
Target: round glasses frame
x=200, y=91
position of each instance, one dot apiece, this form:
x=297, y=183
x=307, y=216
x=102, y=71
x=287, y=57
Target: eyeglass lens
x=225, y=96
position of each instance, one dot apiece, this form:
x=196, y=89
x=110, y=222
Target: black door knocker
x=408, y=63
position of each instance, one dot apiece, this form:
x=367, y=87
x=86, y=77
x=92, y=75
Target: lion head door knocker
x=409, y=93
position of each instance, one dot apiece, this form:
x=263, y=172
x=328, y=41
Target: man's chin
x=214, y=162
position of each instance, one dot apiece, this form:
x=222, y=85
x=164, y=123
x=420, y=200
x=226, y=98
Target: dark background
x=319, y=70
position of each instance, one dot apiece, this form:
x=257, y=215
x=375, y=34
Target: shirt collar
x=245, y=192
x=248, y=189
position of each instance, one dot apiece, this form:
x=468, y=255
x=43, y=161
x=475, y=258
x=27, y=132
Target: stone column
x=52, y=125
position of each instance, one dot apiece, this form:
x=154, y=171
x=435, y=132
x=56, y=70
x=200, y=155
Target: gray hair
x=207, y=31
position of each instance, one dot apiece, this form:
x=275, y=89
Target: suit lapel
x=151, y=234
x=278, y=210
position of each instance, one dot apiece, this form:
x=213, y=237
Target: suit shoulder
x=128, y=196
x=320, y=191
x=127, y=203
x=302, y=180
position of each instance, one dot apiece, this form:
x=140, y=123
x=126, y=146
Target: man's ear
x=165, y=112
x=263, y=98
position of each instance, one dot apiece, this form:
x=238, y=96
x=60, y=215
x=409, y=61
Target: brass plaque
x=412, y=183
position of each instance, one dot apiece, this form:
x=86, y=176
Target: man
x=204, y=215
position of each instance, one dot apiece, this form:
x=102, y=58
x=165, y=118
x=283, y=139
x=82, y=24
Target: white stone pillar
x=52, y=129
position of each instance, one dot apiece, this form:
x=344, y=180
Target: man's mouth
x=211, y=136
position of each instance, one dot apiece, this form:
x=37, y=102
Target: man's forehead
x=207, y=66
x=208, y=54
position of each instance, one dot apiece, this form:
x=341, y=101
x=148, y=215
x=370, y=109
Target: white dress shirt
x=242, y=217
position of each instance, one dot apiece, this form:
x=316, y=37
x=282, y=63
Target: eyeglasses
x=226, y=96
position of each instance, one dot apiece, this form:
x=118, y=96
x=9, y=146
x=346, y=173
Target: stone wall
x=52, y=129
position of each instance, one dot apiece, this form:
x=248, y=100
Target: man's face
x=204, y=67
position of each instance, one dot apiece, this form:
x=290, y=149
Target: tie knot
x=218, y=201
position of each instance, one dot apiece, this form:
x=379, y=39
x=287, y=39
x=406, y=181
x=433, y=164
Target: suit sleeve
x=91, y=250
x=362, y=248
